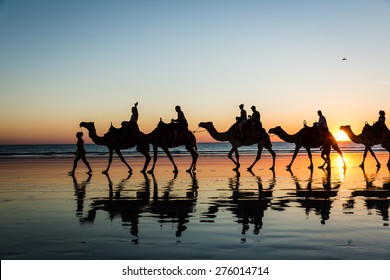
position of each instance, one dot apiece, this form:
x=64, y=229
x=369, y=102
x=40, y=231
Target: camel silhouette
x=115, y=139
x=308, y=137
x=165, y=137
x=233, y=136
x=369, y=138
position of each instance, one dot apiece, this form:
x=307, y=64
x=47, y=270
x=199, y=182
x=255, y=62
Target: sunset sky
x=63, y=62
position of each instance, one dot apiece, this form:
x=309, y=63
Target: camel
x=233, y=137
x=116, y=140
x=165, y=137
x=309, y=137
x=369, y=139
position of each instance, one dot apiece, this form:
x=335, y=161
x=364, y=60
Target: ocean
x=217, y=148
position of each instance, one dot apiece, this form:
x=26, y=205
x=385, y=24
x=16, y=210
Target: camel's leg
x=310, y=158
x=123, y=160
x=373, y=154
x=236, y=161
x=269, y=148
x=294, y=156
x=109, y=162
x=337, y=149
x=155, y=148
x=147, y=160
x=231, y=157
x=364, y=156
x=194, y=155
x=258, y=156
x=171, y=159
x=325, y=158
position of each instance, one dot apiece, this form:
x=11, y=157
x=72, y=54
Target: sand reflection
x=317, y=199
x=246, y=205
x=150, y=199
x=376, y=194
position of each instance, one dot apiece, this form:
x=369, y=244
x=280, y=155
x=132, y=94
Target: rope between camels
x=197, y=130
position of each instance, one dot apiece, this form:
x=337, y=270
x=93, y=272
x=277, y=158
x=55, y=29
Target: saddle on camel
x=377, y=130
x=319, y=133
x=250, y=129
x=175, y=131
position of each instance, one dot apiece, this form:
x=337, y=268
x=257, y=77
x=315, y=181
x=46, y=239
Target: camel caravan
x=247, y=130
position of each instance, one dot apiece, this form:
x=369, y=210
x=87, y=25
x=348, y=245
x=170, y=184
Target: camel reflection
x=375, y=198
x=175, y=207
x=119, y=206
x=171, y=207
x=248, y=206
x=315, y=199
x=79, y=193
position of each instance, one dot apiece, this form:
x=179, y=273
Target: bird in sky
x=344, y=58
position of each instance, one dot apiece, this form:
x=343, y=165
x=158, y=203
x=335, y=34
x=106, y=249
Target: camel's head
x=88, y=125
x=205, y=125
x=345, y=127
x=274, y=130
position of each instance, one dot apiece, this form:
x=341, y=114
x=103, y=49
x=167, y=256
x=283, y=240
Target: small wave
x=222, y=148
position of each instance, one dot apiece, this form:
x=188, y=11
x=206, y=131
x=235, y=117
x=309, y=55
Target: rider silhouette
x=179, y=124
x=255, y=120
x=241, y=120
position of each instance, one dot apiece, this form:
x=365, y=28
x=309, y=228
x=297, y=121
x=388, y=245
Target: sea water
x=217, y=148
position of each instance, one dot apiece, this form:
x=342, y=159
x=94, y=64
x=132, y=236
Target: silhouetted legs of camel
x=260, y=146
x=296, y=153
x=325, y=154
x=193, y=153
x=121, y=158
x=368, y=149
x=235, y=161
x=111, y=151
x=258, y=156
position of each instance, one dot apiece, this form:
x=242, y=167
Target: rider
x=133, y=119
x=322, y=124
x=380, y=124
x=180, y=124
x=134, y=115
x=241, y=120
x=255, y=120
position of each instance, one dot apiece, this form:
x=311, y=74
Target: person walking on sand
x=241, y=120
x=80, y=154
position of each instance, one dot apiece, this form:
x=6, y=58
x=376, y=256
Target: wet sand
x=213, y=214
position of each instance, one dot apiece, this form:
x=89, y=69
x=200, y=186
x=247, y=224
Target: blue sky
x=62, y=62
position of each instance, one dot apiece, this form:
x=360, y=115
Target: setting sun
x=341, y=136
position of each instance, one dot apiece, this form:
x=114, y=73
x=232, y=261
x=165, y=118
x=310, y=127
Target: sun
x=341, y=136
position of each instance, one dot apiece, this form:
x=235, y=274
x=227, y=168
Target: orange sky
x=60, y=65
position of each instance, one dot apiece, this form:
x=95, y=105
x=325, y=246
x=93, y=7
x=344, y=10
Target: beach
x=215, y=213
